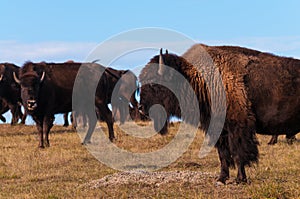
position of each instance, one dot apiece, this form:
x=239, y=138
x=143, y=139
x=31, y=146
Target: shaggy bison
x=262, y=96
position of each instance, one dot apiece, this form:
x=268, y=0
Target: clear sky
x=59, y=30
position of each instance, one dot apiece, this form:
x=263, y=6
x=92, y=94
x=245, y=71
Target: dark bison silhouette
x=46, y=90
x=262, y=96
x=10, y=92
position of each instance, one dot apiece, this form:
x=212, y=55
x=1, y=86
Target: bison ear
x=16, y=79
x=43, y=76
x=167, y=52
x=161, y=63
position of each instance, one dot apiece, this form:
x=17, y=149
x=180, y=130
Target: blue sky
x=60, y=30
x=57, y=30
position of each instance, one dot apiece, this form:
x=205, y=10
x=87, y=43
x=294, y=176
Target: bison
x=122, y=82
x=46, y=90
x=262, y=96
x=10, y=92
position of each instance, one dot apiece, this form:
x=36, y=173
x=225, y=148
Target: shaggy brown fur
x=262, y=96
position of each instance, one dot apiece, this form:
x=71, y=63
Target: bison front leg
x=15, y=114
x=24, y=116
x=47, y=125
x=39, y=126
x=224, y=157
x=244, y=150
x=241, y=176
x=66, y=121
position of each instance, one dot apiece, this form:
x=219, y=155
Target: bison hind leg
x=290, y=139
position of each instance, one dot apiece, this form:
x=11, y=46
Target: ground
x=68, y=170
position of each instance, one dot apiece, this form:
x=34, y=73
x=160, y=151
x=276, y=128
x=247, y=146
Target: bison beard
x=251, y=94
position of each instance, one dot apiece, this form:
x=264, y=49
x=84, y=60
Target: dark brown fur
x=262, y=96
x=10, y=92
x=3, y=109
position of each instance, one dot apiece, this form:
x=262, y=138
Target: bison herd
x=261, y=90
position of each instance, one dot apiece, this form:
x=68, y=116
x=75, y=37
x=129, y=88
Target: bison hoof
x=41, y=146
x=112, y=139
x=242, y=181
x=86, y=142
x=219, y=183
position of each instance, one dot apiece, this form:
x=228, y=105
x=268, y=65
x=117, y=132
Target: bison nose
x=31, y=104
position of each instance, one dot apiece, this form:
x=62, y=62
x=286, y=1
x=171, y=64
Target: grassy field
x=68, y=170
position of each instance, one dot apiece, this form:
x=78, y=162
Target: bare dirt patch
x=151, y=178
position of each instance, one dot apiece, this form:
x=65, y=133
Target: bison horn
x=161, y=63
x=43, y=76
x=15, y=78
x=3, y=68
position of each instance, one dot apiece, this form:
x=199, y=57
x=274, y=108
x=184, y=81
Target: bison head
x=157, y=98
x=30, y=80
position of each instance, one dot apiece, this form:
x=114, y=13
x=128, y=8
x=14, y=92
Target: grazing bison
x=10, y=92
x=262, y=96
x=46, y=89
x=122, y=82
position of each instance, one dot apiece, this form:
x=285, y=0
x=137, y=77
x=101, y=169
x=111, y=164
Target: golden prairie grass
x=66, y=168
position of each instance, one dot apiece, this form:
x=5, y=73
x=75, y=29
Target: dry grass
x=67, y=169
